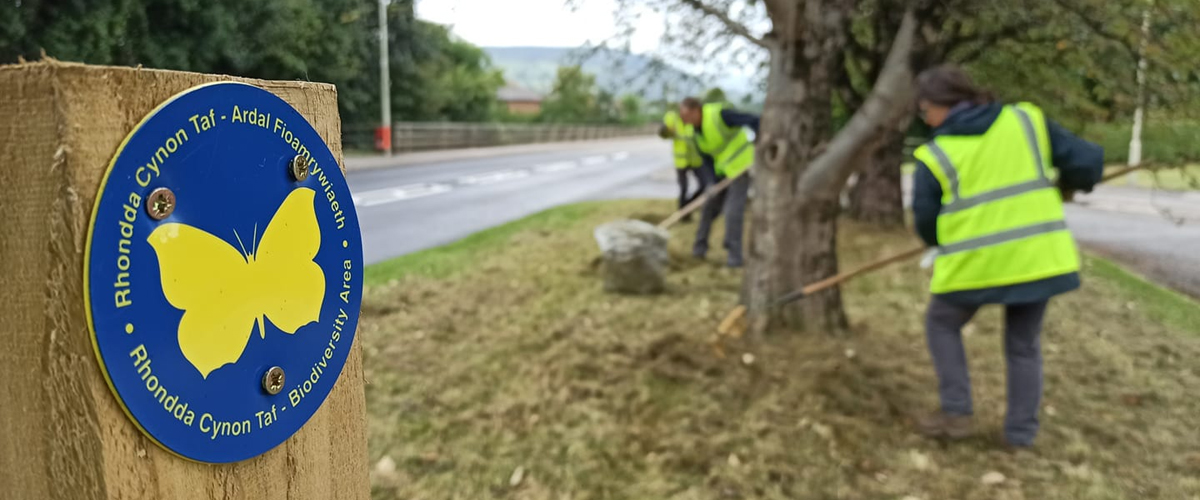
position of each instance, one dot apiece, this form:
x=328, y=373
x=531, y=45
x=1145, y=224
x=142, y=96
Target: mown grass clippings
x=515, y=364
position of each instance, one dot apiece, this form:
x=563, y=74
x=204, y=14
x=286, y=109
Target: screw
x=160, y=204
x=299, y=168
x=272, y=381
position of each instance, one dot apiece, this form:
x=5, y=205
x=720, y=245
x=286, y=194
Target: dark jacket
x=1080, y=167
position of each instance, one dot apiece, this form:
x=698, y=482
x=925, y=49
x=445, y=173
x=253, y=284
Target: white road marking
x=555, y=167
x=411, y=191
x=594, y=160
x=492, y=177
x=407, y=192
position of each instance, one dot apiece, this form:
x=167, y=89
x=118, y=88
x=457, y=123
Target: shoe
x=940, y=425
x=734, y=263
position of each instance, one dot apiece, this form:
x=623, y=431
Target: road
x=419, y=201
x=449, y=195
x=1155, y=232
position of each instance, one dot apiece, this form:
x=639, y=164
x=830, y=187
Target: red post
x=383, y=138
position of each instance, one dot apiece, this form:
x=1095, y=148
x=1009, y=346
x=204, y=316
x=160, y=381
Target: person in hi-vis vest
x=987, y=196
x=728, y=151
x=686, y=156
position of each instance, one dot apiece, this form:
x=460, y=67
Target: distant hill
x=616, y=72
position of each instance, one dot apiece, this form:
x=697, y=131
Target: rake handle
x=697, y=203
x=729, y=322
x=838, y=279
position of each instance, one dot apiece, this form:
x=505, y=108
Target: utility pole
x=1139, y=114
x=384, y=134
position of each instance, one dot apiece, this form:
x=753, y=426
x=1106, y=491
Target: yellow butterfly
x=224, y=293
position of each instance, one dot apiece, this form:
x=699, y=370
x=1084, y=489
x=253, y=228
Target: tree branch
x=777, y=9
x=889, y=100
x=1097, y=27
x=989, y=38
x=733, y=26
x=981, y=48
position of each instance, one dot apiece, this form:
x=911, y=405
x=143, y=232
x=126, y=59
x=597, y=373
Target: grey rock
x=635, y=256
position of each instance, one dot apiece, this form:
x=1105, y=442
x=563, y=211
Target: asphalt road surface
x=449, y=195
x=418, y=201
x=1155, y=232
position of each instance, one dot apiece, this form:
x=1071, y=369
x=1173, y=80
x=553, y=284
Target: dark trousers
x=733, y=202
x=1022, y=353
x=681, y=175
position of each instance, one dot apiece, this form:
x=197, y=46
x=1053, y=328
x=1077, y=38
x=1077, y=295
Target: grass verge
x=446, y=260
x=1177, y=178
x=501, y=370
x=1162, y=304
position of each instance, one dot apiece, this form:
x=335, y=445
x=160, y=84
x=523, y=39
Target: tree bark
x=877, y=197
x=793, y=236
x=800, y=168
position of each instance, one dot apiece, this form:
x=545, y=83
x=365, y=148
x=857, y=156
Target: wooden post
x=62, y=433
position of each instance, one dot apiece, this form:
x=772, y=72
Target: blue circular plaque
x=223, y=274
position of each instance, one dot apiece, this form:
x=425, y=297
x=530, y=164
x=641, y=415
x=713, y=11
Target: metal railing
x=428, y=136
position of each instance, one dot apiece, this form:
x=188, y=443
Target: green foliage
x=715, y=94
x=573, y=97
x=434, y=76
x=1078, y=58
x=631, y=110
x=1170, y=143
x=606, y=108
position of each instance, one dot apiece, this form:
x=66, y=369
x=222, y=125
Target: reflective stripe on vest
x=1001, y=237
x=997, y=227
x=959, y=203
x=684, y=146
x=730, y=148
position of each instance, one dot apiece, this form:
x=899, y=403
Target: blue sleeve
x=738, y=119
x=926, y=204
x=1080, y=163
x=708, y=173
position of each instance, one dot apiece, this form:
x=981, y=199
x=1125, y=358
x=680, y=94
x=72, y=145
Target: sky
x=541, y=23
x=551, y=23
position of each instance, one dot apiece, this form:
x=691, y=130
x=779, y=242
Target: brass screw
x=160, y=204
x=272, y=381
x=299, y=168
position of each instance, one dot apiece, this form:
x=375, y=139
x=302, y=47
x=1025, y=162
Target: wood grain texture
x=62, y=433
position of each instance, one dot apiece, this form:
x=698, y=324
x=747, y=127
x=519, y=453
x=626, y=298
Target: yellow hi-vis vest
x=686, y=154
x=730, y=148
x=1001, y=221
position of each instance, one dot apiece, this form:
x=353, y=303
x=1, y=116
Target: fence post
x=63, y=434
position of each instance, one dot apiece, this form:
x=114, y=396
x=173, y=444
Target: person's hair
x=691, y=103
x=947, y=85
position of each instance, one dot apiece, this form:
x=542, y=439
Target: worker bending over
x=985, y=197
x=727, y=151
x=687, y=157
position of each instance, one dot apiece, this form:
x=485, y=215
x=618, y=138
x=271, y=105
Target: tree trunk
x=800, y=168
x=877, y=197
x=793, y=235
x=804, y=251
